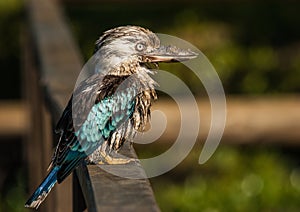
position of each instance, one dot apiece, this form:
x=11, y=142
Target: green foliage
x=233, y=180
x=245, y=60
x=13, y=198
x=9, y=6
x=254, y=46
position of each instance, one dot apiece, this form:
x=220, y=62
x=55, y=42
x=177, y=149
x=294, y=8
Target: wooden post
x=78, y=198
x=37, y=151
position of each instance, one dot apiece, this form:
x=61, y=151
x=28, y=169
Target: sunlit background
x=254, y=47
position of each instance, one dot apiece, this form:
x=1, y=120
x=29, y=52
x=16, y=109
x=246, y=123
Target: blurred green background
x=255, y=48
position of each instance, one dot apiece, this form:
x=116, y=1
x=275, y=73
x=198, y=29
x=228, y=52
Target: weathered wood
x=13, y=118
x=85, y=183
x=55, y=64
x=37, y=151
x=264, y=119
x=120, y=191
x=272, y=119
x=78, y=198
x=126, y=195
x=59, y=58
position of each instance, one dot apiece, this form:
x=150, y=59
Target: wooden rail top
x=59, y=63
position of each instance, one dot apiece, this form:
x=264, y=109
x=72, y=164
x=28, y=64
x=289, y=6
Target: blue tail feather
x=43, y=190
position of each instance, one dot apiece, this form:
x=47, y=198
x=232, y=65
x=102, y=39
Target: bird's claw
x=106, y=159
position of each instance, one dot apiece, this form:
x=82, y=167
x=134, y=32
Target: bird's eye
x=140, y=46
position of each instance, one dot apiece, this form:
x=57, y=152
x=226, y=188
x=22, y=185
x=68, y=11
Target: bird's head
x=135, y=45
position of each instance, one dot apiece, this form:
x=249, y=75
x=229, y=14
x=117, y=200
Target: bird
x=110, y=106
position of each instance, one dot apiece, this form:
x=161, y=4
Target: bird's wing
x=93, y=113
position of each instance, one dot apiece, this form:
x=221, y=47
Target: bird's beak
x=169, y=54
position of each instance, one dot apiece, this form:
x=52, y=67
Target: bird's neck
x=119, y=66
x=116, y=63
x=125, y=67
x=139, y=75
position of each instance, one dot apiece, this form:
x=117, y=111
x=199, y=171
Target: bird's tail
x=43, y=190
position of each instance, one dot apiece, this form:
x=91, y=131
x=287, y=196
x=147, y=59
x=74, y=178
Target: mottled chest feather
x=104, y=111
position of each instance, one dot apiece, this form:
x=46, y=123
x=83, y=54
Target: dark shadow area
x=12, y=174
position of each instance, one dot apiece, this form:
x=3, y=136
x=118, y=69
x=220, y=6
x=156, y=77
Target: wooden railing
x=52, y=63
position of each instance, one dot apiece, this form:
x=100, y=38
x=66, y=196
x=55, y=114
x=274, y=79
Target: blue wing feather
x=107, y=113
x=43, y=190
x=105, y=116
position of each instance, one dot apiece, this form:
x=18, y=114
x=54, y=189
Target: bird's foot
x=115, y=159
x=111, y=158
